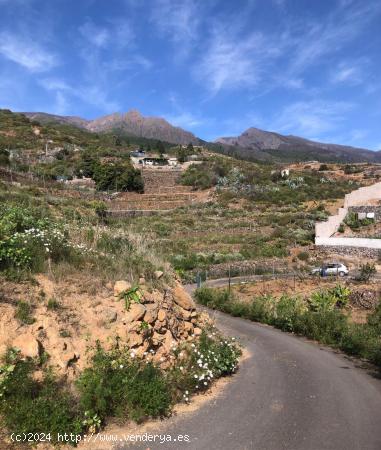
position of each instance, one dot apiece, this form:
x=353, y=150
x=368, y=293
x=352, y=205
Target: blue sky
x=215, y=67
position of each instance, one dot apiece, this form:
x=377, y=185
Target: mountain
x=130, y=123
x=294, y=148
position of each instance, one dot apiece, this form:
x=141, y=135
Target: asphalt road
x=289, y=394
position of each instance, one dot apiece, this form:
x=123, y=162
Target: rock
x=142, y=281
x=121, y=286
x=159, y=325
x=197, y=331
x=158, y=338
x=109, y=315
x=182, y=298
x=183, y=313
x=169, y=341
x=136, y=312
x=161, y=315
x=158, y=274
x=188, y=326
x=151, y=313
x=135, y=339
x=27, y=344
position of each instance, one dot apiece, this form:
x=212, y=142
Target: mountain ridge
x=131, y=122
x=251, y=144
x=296, y=148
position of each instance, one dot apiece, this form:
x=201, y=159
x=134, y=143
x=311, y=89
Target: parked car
x=331, y=269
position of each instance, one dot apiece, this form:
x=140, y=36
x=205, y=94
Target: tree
x=160, y=148
x=190, y=149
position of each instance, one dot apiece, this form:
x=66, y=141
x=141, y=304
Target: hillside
x=131, y=123
x=294, y=148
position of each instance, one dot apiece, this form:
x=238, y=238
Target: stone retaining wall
x=367, y=209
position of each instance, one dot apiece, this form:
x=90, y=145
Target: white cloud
x=97, y=36
x=184, y=120
x=232, y=59
x=91, y=94
x=26, y=53
x=176, y=18
x=349, y=73
x=311, y=119
x=231, y=62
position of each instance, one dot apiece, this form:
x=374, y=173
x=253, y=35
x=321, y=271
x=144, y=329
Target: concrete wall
x=348, y=242
x=329, y=227
x=363, y=195
x=358, y=197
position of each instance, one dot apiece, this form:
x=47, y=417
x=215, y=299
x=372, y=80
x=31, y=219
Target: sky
x=309, y=68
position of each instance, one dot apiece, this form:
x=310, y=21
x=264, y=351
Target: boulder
x=27, y=344
x=161, y=315
x=197, y=331
x=135, y=339
x=159, y=325
x=136, y=312
x=182, y=298
x=169, y=341
x=158, y=338
x=158, y=274
x=121, y=286
x=151, y=313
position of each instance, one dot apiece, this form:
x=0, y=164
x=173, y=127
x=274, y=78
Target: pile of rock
x=150, y=326
x=160, y=320
x=364, y=299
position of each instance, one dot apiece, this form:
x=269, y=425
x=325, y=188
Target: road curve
x=289, y=394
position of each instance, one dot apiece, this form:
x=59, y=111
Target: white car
x=331, y=269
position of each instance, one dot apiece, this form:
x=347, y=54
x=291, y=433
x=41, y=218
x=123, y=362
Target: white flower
x=187, y=392
x=121, y=366
x=205, y=383
x=196, y=376
x=132, y=354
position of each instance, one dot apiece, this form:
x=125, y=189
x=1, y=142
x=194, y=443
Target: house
x=173, y=162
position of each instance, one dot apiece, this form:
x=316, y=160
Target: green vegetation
x=366, y=272
x=24, y=313
x=354, y=223
x=116, y=384
x=322, y=318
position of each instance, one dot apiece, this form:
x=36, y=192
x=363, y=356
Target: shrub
x=53, y=304
x=31, y=406
x=199, y=363
x=366, y=272
x=117, y=385
x=23, y=313
x=303, y=256
x=323, y=167
x=322, y=321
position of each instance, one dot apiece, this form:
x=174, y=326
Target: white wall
x=358, y=197
x=349, y=242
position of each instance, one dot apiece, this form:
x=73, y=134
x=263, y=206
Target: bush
x=31, y=406
x=366, y=272
x=198, y=364
x=116, y=385
x=303, y=256
x=23, y=313
x=319, y=319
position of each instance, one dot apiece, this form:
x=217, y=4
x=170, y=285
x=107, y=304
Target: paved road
x=289, y=394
